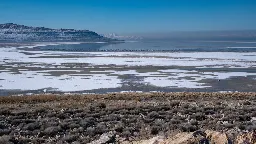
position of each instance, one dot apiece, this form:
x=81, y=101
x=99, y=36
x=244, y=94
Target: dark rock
x=188, y=128
x=64, y=125
x=70, y=138
x=126, y=133
x=62, y=116
x=5, y=140
x=87, y=122
x=3, y=125
x=155, y=130
x=17, y=121
x=73, y=125
x=4, y=132
x=199, y=116
x=21, y=125
x=4, y=112
x=199, y=133
x=51, y=124
x=153, y=115
x=38, y=140
x=21, y=112
x=29, y=121
x=51, y=131
x=80, y=129
x=194, y=122
x=90, y=131
x=102, y=105
x=36, y=132
x=101, y=128
x=76, y=142
x=247, y=103
x=24, y=141
x=119, y=127
x=31, y=126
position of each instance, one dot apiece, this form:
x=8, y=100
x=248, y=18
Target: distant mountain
x=15, y=32
x=116, y=36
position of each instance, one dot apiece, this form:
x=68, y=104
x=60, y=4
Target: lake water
x=163, y=45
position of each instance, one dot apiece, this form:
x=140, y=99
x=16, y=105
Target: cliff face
x=15, y=32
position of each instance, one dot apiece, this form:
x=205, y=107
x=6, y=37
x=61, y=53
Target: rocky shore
x=128, y=118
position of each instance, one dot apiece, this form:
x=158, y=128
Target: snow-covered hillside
x=15, y=32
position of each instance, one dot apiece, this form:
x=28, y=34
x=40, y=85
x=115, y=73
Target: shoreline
x=126, y=117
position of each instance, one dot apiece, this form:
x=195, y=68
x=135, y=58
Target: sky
x=132, y=16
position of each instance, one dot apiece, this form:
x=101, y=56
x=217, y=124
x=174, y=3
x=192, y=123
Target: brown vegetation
x=128, y=116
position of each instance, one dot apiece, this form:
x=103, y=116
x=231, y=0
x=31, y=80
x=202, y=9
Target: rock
x=51, y=124
x=75, y=142
x=80, y=129
x=199, y=133
x=201, y=137
x=31, y=126
x=101, y=128
x=90, y=131
x=3, y=125
x=73, y=125
x=70, y=138
x=4, y=112
x=217, y=137
x=17, y=121
x=246, y=138
x=38, y=140
x=62, y=116
x=5, y=140
x=105, y=138
x=4, y=132
x=182, y=138
x=88, y=122
x=24, y=140
x=154, y=140
x=64, y=125
x=51, y=131
x=36, y=132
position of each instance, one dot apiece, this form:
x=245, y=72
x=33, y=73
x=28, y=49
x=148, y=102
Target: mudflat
x=123, y=117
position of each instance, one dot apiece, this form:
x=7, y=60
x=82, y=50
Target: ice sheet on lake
x=34, y=81
x=229, y=59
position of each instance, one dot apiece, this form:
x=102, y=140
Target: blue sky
x=132, y=16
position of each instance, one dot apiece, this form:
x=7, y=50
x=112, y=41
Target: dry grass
x=122, y=96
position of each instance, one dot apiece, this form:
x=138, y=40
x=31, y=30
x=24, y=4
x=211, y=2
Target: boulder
x=246, y=138
x=105, y=138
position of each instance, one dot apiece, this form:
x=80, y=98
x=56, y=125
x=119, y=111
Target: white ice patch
x=169, y=82
x=180, y=78
x=34, y=81
x=222, y=75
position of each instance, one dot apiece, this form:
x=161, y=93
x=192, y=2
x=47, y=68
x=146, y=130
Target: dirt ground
x=123, y=117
